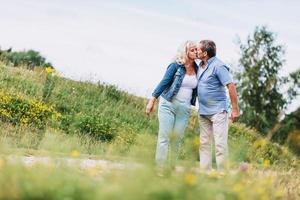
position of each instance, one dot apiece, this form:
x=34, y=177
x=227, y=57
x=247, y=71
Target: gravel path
x=81, y=163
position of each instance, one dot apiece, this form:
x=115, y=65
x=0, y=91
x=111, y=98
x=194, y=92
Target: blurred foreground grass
x=51, y=181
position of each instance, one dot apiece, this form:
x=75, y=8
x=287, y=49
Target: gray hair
x=209, y=46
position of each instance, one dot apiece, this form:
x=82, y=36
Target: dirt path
x=80, y=162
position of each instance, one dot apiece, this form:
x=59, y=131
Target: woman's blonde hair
x=182, y=52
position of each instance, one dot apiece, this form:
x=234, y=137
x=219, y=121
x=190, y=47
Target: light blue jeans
x=173, y=119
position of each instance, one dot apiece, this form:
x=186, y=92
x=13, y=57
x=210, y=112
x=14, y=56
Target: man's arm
x=235, y=114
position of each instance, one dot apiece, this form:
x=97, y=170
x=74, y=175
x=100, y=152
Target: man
x=213, y=78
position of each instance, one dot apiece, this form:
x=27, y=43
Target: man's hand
x=235, y=114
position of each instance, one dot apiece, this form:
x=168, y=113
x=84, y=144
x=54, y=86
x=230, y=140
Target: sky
x=129, y=43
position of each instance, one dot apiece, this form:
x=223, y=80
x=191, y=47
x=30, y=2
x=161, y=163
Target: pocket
x=186, y=109
x=220, y=117
x=164, y=102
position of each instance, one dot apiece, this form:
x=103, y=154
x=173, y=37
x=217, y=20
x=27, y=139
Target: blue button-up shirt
x=211, y=87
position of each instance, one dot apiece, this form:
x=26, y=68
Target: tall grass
x=58, y=181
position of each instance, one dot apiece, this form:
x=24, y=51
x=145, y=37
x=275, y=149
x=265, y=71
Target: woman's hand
x=150, y=105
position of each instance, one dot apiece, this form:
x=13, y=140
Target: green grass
x=64, y=182
x=89, y=109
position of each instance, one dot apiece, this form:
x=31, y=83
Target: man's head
x=206, y=49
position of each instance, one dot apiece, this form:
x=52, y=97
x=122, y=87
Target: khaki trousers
x=213, y=127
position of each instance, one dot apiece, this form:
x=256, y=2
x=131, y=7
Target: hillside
x=44, y=114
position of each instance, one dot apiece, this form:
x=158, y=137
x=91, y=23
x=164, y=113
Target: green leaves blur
x=264, y=93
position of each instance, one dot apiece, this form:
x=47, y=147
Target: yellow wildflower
x=214, y=174
x=294, y=163
x=238, y=187
x=190, y=179
x=75, y=154
x=266, y=163
x=49, y=70
x=260, y=143
x=285, y=151
x=196, y=143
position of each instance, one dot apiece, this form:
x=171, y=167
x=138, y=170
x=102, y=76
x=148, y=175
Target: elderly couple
x=183, y=81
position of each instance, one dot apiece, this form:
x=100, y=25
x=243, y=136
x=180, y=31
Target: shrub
x=29, y=58
x=257, y=149
x=66, y=122
x=125, y=138
x=16, y=109
x=98, y=126
x=294, y=141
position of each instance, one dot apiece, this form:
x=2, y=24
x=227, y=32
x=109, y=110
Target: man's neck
x=204, y=62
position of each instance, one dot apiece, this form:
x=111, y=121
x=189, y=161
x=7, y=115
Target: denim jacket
x=171, y=83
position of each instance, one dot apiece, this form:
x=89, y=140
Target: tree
x=29, y=59
x=289, y=124
x=263, y=92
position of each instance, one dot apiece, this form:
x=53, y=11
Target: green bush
x=255, y=148
x=29, y=58
x=294, y=141
x=98, y=126
x=124, y=138
x=66, y=122
x=16, y=109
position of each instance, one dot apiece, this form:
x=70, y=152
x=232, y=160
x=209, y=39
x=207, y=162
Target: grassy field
x=43, y=114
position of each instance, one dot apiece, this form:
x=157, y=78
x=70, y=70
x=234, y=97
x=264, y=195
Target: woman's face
x=192, y=52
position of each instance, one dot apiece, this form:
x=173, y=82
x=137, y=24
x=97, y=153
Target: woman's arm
x=166, y=80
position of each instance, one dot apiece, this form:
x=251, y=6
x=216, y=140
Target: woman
x=178, y=91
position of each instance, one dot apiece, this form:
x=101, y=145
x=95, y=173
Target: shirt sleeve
x=224, y=75
x=166, y=80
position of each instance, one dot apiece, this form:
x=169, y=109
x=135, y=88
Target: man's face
x=201, y=54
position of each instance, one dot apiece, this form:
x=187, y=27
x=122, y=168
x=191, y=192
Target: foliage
x=293, y=141
x=16, y=109
x=290, y=123
x=97, y=126
x=294, y=79
x=98, y=117
x=29, y=58
x=256, y=149
x=49, y=84
x=260, y=85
